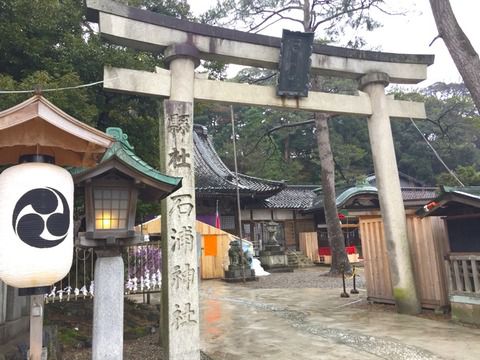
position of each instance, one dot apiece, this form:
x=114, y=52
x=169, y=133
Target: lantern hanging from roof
x=36, y=197
x=36, y=224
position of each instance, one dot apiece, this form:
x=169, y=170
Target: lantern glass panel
x=111, y=208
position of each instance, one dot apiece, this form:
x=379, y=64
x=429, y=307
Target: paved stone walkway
x=240, y=322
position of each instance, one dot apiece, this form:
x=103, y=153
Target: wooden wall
x=427, y=238
x=293, y=227
x=309, y=245
x=377, y=273
x=213, y=266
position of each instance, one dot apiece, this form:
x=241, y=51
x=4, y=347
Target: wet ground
x=257, y=322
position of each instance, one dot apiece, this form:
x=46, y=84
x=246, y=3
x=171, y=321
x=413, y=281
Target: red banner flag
x=217, y=218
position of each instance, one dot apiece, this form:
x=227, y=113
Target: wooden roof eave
x=39, y=107
x=444, y=199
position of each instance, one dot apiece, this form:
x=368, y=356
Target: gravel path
x=312, y=277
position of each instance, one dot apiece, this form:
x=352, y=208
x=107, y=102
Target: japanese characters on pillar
x=180, y=248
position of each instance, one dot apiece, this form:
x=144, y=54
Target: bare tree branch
x=434, y=39
x=256, y=81
x=274, y=13
x=270, y=131
x=340, y=14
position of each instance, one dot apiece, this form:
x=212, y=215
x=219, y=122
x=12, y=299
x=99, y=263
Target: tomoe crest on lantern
x=36, y=224
x=41, y=218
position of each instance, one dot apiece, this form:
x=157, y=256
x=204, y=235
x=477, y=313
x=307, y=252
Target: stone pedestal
x=235, y=274
x=107, y=342
x=465, y=309
x=274, y=259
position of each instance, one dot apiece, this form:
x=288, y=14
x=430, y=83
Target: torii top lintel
x=146, y=30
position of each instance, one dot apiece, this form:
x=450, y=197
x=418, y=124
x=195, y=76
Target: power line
x=437, y=155
x=54, y=89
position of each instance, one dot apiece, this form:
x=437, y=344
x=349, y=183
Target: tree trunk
x=286, y=150
x=334, y=230
x=461, y=50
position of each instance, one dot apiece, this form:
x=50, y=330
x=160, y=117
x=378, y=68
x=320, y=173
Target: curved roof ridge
x=204, y=141
x=214, y=175
x=280, y=182
x=208, y=146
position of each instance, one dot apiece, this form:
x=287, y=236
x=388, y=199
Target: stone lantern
x=272, y=227
x=273, y=258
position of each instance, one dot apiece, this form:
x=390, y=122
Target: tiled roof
x=409, y=194
x=471, y=191
x=122, y=149
x=342, y=196
x=453, y=201
x=292, y=197
x=405, y=180
x=419, y=193
x=213, y=177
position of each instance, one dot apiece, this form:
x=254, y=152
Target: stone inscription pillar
x=389, y=193
x=180, y=310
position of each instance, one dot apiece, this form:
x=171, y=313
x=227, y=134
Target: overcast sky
x=411, y=33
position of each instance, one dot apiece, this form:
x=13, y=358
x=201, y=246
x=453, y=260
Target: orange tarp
x=210, y=245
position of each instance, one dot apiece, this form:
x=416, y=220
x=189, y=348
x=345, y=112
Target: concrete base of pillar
x=274, y=260
x=466, y=312
x=235, y=274
x=107, y=342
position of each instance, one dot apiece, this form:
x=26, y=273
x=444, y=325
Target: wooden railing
x=463, y=273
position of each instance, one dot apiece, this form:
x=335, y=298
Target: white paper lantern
x=36, y=224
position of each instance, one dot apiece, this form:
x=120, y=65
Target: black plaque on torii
x=294, y=63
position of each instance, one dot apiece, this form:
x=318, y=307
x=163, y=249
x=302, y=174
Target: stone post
x=36, y=327
x=107, y=341
x=180, y=311
x=3, y=303
x=389, y=193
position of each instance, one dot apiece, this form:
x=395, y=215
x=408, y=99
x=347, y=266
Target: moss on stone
x=466, y=313
x=404, y=298
x=399, y=293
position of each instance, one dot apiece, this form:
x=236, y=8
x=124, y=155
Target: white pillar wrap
x=390, y=196
x=180, y=310
x=36, y=224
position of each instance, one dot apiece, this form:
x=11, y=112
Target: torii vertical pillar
x=390, y=196
x=180, y=310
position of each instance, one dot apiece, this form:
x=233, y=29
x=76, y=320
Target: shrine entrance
x=184, y=44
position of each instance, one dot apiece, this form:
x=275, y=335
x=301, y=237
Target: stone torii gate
x=184, y=44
